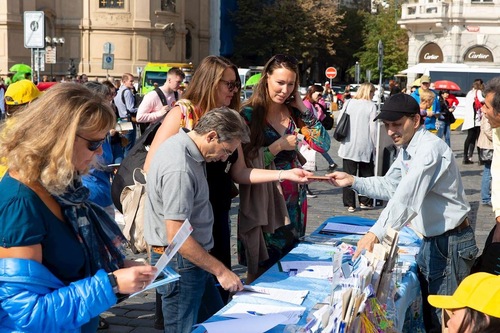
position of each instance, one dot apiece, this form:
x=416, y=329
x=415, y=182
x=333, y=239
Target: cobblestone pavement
x=137, y=314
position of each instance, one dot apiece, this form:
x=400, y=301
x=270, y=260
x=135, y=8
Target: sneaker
x=363, y=206
x=351, y=209
x=332, y=167
x=310, y=195
x=467, y=161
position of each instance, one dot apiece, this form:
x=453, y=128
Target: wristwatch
x=114, y=283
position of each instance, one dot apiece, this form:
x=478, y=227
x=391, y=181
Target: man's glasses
x=228, y=153
x=231, y=85
x=92, y=145
x=285, y=58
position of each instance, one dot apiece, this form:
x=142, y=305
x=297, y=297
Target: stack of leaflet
x=355, y=285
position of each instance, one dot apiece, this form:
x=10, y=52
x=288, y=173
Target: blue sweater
x=32, y=299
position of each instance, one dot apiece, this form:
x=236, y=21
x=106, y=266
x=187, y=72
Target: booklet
x=169, y=275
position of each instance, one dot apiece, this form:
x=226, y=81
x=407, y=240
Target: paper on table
x=180, y=237
x=289, y=296
x=243, y=310
x=310, y=269
x=250, y=324
x=333, y=227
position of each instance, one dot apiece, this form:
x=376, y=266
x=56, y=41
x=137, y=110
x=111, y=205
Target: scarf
x=99, y=235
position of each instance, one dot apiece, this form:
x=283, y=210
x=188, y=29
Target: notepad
x=333, y=227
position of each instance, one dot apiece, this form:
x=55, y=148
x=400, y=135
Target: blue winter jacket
x=32, y=299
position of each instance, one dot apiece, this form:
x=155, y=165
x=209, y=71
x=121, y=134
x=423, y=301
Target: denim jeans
x=443, y=129
x=131, y=136
x=486, y=184
x=443, y=262
x=192, y=299
x=328, y=158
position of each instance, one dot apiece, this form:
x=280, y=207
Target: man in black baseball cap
x=397, y=106
x=401, y=117
x=423, y=186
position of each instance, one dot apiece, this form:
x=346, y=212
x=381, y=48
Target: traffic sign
x=108, y=61
x=108, y=47
x=34, y=30
x=50, y=55
x=331, y=72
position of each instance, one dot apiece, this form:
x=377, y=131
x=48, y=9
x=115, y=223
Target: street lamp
x=50, y=51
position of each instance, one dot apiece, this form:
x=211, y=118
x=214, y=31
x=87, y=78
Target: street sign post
x=331, y=72
x=108, y=61
x=34, y=30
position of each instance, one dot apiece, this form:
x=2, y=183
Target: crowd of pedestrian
x=60, y=149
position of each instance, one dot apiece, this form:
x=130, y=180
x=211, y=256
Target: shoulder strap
x=161, y=95
x=123, y=100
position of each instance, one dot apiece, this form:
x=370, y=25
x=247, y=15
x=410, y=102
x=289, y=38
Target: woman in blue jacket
x=60, y=258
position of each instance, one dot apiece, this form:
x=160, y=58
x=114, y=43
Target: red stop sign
x=331, y=72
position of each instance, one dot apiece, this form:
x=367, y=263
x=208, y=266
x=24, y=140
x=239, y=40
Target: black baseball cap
x=397, y=106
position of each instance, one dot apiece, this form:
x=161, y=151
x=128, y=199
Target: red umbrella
x=446, y=85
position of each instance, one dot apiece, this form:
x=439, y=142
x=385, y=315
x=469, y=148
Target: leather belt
x=161, y=249
x=158, y=249
x=459, y=228
x=465, y=223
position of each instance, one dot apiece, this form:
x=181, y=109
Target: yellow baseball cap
x=21, y=92
x=479, y=291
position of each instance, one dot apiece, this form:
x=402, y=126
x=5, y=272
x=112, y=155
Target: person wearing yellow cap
x=19, y=94
x=475, y=305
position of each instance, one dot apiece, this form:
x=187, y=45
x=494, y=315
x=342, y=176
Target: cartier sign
x=478, y=54
x=431, y=53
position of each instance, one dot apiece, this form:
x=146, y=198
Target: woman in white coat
x=359, y=146
x=472, y=119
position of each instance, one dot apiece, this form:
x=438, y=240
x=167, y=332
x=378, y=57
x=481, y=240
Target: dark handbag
x=489, y=260
x=342, y=129
x=485, y=155
x=452, y=118
x=327, y=122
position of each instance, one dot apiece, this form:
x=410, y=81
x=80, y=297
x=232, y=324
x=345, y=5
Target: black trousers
x=470, y=141
x=360, y=169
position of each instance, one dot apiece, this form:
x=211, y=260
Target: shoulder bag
x=342, y=129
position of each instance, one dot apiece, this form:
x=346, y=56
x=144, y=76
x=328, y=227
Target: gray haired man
x=177, y=190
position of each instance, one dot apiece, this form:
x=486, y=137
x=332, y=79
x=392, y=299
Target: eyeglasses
x=228, y=153
x=285, y=58
x=92, y=145
x=232, y=84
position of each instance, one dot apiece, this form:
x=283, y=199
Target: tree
x=383, y=26
x=306, y=29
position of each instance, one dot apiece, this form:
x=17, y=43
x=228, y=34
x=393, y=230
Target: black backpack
x=135, y=158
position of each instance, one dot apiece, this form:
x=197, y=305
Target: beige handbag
x=132, y=199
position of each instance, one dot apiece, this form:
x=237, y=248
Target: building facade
x=451, y=34
x=135, y=32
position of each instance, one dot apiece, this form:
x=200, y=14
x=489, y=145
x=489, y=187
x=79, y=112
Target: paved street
x=136, y=314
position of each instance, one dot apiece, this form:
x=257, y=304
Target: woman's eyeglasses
x=231, y=85
x=285, y=58
x=92, y=145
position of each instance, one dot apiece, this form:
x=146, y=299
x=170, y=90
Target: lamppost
x=50, y=51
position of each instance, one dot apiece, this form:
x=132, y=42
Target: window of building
x=111, y=3
x=476, y=1
x=168, y=5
